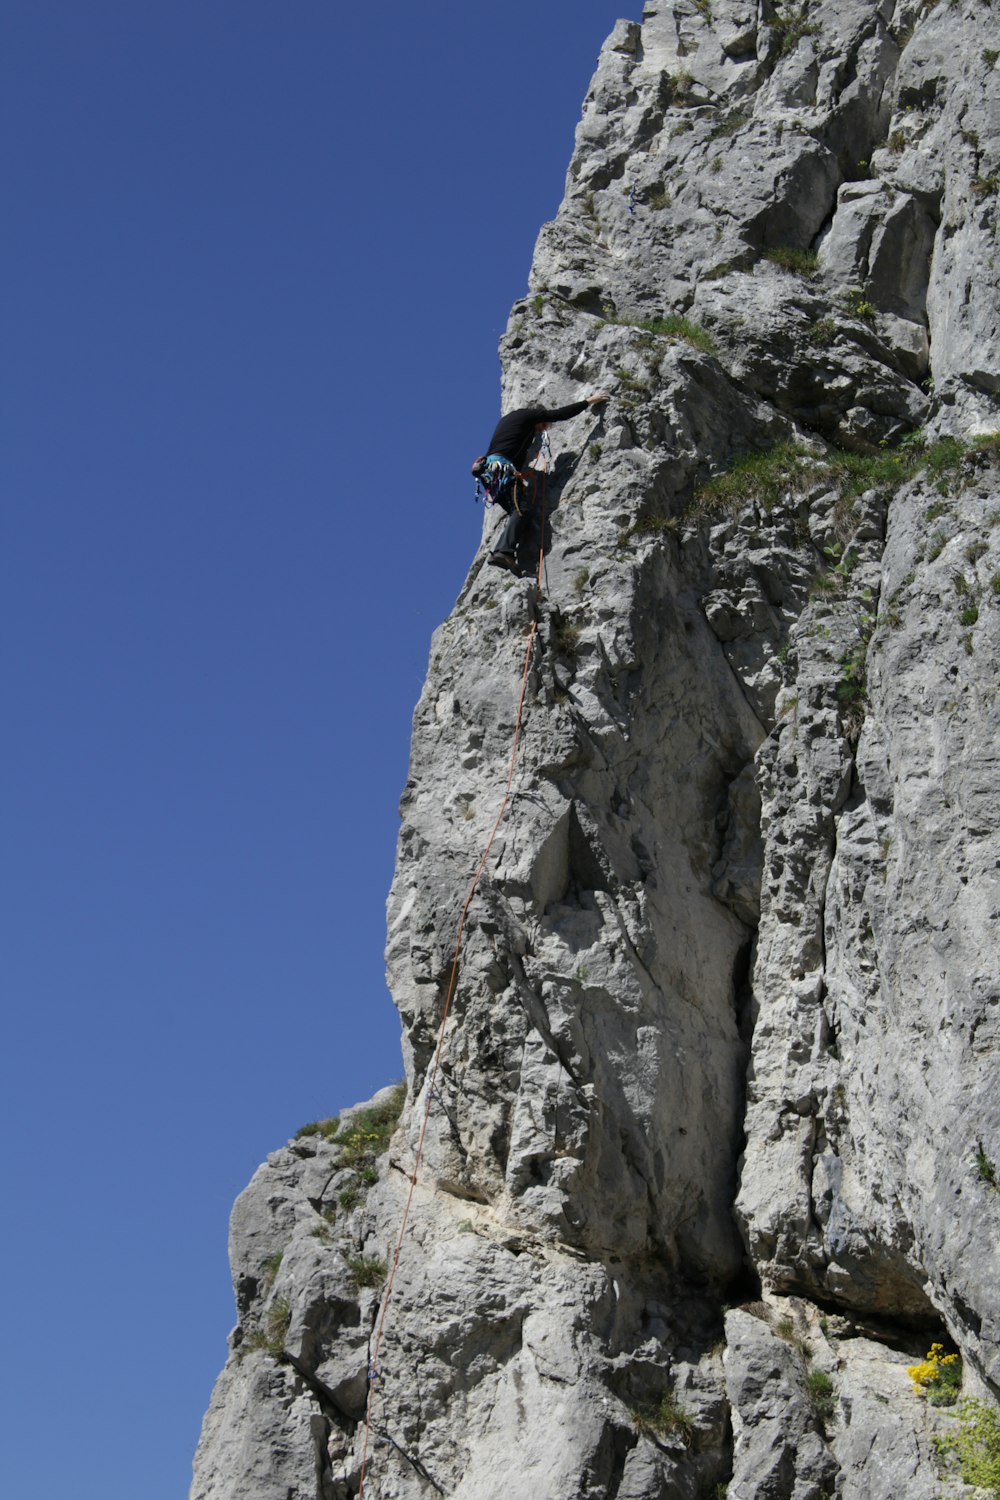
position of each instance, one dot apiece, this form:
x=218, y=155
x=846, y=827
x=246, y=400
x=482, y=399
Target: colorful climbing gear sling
x=496, y=477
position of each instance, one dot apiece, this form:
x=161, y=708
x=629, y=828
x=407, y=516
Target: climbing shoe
x=503, y=560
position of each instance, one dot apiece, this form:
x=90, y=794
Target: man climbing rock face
x=499, y=469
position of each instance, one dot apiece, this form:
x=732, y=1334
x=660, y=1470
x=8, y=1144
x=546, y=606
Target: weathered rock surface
x=728, y=1017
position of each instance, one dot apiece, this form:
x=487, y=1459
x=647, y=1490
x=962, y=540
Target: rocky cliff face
x=712, y=1155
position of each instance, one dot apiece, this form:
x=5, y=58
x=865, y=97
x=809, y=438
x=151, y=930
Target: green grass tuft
x=269, y=1269
x=674, y=89
x=325, y=1128
x=986, y=1168
x=788, y=469
x=730, y=126
x=367, y=1134
x=650, y=525
x=631, y=385
x=823, y=332
x=566, y=636
x=676, y=327
x=673, y=326
x=819, y=1389
x=272, y=1334
x=852, y=689
x=667, y=1415
x=792, y=27
x=944, y=457
x=366, y=1270
x=988, y=444
x=764, y=477
x=802, y=262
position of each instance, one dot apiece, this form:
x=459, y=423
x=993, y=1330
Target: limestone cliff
x=712, y=1154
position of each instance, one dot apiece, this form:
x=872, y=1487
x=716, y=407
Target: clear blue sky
x=256, y=261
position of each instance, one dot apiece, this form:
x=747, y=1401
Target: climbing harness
x=495, y=474
x=429, y=1087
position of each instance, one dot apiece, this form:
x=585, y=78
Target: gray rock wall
x=726, y=1027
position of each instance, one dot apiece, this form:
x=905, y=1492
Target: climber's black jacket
x=514, y=432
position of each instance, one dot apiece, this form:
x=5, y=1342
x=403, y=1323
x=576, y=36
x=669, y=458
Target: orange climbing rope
x=452, y=982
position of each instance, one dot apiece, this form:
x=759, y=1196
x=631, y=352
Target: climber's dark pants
x=520, y=527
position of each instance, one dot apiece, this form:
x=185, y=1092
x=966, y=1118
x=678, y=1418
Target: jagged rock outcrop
x=712, y=1153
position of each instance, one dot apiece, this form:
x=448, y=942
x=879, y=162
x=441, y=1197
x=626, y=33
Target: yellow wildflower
x=935, y=1377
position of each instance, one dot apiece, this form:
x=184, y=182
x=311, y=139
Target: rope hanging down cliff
x=539, y=493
